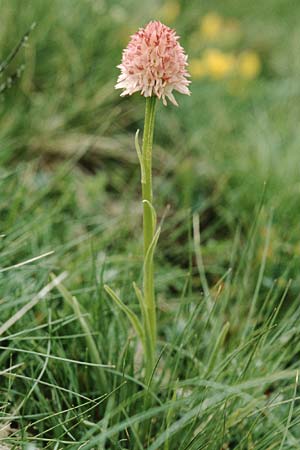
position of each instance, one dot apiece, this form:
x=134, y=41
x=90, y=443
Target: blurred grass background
x=69, y=175
x=233, y=142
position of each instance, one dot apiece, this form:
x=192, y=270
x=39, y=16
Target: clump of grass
x=228, y=365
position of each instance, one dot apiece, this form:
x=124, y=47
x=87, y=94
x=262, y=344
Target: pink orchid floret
x=154, y=63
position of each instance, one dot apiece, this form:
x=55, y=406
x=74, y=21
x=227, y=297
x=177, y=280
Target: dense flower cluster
x=154, y=63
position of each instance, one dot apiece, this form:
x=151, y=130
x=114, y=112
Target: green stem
x=148, y=230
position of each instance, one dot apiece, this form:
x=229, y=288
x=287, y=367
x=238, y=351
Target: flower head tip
x=154, y=63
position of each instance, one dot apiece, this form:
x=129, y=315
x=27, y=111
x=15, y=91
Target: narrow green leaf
x=151, y=249
x=153, y=213
x=217, y=347
x=130, y=314
x=139, y=153
x=140, y=298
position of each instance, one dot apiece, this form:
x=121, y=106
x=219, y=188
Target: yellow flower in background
x=219, y=65
x=211, y=26
x=216, y=63
x=249, y=65
x=170, y=11
x=197, y=68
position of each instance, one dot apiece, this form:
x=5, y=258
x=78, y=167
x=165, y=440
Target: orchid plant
x=154, y=64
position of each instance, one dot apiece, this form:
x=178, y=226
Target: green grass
x=228, y=308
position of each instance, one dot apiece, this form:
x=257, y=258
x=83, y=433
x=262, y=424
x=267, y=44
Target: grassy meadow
x=227, y=187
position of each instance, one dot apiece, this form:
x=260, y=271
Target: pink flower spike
x=154, y=63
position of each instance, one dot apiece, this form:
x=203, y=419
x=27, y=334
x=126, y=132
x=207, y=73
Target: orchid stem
x=148, y=231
